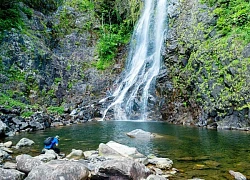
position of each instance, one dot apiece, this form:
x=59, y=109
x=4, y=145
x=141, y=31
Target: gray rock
x=75, y=154
x=10, y=165
x=89, y=154
x=139, y=133
x=115, y=150
x=122, y=169
x=162, y=163
x=24, y=142
x=237, y=175
x=2, y=127
x=155, y=177
x=26, y=163
x=246, y=51
x=11, y=174
x=7, y=150
x=3, y=154
x=56, y=169
x=47, y=156
x=7, y=144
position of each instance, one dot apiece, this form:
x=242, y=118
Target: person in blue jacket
x=54, y=145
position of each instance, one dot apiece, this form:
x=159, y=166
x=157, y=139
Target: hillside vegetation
x=48, y=46
x=214, y=61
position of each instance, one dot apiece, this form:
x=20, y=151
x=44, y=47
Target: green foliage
x=81, y=5
x=57, y=110
x=111, y=38
x=9, y=102
x=58, y=80
x=27, y=114
x=117, y=26
x=10, y=18
x=67, y=19
x=217, y=74
x=231, y=14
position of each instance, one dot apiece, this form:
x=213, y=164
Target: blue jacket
x=53, y=143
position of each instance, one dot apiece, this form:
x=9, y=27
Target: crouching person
x=53, y=145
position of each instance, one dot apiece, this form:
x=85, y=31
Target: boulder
x=7, y=150
x=162, y=163
x=25, y=163
x=11, y=174
x=237, y=175
x=24, y=142
x=58, y=169
x=47, y=156
x=3, y=154
x=75, y=154
x=155, y=177
x=139, y=133
x=121, y=169
x=115, y=150
x=7, y=144
x=9, y=165
x=2, y=127
x=90, y=154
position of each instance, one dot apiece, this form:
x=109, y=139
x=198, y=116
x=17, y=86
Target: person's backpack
x=48, y=141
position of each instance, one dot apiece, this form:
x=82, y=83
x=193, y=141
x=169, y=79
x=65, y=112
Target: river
x=196, y=152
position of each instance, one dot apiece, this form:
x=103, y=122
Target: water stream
x=136, y=86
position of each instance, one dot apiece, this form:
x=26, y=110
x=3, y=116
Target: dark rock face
x=203, y=85
x=51, y=63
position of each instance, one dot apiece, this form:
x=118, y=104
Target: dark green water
x=196, y=152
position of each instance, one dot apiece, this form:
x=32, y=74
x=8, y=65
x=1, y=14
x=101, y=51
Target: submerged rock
x=139, y=133
x=237, y=175
x=162, y=163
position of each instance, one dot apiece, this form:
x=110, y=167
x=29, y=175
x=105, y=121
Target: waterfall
x=136, y=85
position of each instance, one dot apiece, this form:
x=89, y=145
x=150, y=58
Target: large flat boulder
x=59, y=169
x=113, y=149
x=25, y=163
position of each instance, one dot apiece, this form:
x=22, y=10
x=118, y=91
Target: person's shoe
x=61, y=155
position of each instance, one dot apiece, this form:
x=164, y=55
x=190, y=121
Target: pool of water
x=196, y=152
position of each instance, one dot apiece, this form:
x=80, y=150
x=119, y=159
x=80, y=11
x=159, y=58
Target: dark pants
x=57, y=150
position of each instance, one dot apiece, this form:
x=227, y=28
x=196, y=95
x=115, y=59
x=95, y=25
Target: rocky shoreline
x=12, y=123
x=109, y=161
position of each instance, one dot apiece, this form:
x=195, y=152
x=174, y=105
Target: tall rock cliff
x=208, y=63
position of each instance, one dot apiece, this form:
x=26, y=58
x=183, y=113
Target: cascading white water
x=133, y=90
